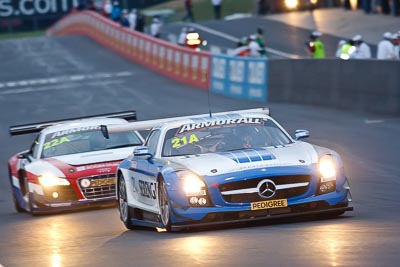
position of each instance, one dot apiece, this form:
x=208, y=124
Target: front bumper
x=332, y=203
x=227, y=218
x=39, y=205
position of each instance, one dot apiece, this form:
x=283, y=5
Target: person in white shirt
x=107, y=8
x=363, y=51
x=217, y=8
x=132, y=17
x=155, y=27
x=385, y=47
x=182, y=37
x=254, y=47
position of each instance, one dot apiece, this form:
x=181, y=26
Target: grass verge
x=5, y=36
x=203, y=9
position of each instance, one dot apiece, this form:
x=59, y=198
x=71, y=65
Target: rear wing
x=146, y=125
x=37, y=127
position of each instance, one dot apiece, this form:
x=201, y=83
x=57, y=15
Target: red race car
x=69, y=165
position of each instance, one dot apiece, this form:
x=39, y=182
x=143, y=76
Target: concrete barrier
x=361, y=85
x=182, y=64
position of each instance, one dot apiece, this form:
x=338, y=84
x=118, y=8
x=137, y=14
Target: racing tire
x=123, y=207
x=164, y=205
x=17, y=207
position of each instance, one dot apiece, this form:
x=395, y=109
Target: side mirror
x=301, y=134
x=23, y=155
x=142, y=152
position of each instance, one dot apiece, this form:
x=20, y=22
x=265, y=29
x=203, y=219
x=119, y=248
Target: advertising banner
x=244, y=78
x=26, y=15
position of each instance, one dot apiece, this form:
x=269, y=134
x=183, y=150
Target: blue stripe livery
x=249, y=155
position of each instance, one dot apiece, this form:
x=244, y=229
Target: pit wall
x=360, y=85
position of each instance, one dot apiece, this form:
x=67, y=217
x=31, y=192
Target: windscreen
x=222, y=136
x=86, y=139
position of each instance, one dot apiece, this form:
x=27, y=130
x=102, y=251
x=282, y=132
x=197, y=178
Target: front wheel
x=123, y=206
x=164, y=204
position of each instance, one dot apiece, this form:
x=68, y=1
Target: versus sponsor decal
x=249, y=155
x=216, y=123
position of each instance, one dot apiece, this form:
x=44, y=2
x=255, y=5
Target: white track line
x=62, y=79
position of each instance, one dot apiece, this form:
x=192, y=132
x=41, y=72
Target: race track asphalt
x=60, y=77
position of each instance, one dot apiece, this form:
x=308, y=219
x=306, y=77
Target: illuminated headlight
x=327, y=168
x=49, y=179
x=192, y=184
x=291, y=3
x=327, y=171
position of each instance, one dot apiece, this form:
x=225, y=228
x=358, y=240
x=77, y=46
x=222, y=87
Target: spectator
x=217, y=4
x=124, y=19
x=367, y=6
x=189, y=11
x=362, y=50
x=116, y=12
x=254, y=47
x=107, y=9
x=262, y=7
x=182, y=37
x=132, y=17
x=395, y=7
x=347, y=50
x=385, y=6
x=386, y=47
x=155, y=27
x=340, y=45
x=260, y=41
x=140, y=22
x=82, y=5
x=91, y=5
x=396, y=45
x=242, y=49
x=315, y=46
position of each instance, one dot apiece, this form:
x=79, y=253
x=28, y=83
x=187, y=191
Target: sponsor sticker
x=269, y=204
x=96, y=166
x=102, y=182
x=216, y=123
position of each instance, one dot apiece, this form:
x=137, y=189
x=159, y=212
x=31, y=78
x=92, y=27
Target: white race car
x=69, y=165
x=226, y=168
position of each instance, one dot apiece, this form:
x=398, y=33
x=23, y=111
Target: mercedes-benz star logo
x=266, y=188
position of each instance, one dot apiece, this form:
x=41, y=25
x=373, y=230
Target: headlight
x=49, y=179
x=327, y=168
x=192, y=184
x=291, y=3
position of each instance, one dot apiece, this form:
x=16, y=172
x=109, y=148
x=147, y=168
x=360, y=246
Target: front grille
x=254, y=196
x=100, y=186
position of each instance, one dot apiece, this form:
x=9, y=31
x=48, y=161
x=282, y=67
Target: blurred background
x=31, y=17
